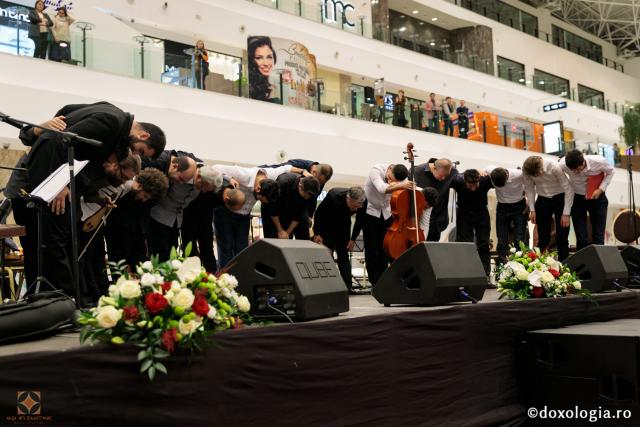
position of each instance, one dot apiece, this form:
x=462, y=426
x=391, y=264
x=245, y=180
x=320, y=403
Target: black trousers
x=338, y=245
x=161, y=239
x=56, y=248
x=597, y=210
x=197, y=228
x=125, y=244
x=547, y=210
x=510, y=215
x=92, y=266
x=301, y=232
x=475, y=226
x=29, y=219
x=377, y=261
x=41, y=46
x=232, y=234
x=448, y=127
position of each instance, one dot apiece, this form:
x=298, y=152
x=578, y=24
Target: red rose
x=131, y=313
x=555, y=273
x=155, y=302
x=166, y=286
x=532, y=255
x=200, y=306
x=169, y=339
x=538, y=291
x=201, y=293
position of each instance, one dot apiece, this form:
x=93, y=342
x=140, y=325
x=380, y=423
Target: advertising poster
x=273, y=61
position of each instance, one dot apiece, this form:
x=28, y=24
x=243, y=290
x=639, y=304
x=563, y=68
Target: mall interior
x=362, y=86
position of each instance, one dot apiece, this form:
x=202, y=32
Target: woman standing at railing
x=61, y=46
x=399, y=102
x=39, y=30
x=202, y=64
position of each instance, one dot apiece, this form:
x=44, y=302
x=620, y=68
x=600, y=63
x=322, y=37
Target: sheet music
x=54, y=183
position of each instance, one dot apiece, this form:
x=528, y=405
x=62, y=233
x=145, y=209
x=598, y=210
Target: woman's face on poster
x=264, y=60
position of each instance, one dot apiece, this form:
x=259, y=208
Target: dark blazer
x=290, y=205
x=424, y=178
x=100, y=121
x=34, y=28
x=333, y=217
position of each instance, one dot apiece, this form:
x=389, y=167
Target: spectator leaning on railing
x=61, y=44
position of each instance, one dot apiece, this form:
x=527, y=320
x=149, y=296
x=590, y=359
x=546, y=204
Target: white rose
x=243, y=304
x=159, y=278
x=212, y=312
x=512, y=250
x=176, y=264
x=129, y=289
x=535, y=278
x=550, y=261
x=169, y=296
x=189, y=327
x=113, y=291
x=108, y=316
x=148, y=279
x=147, y=265
x=522, y=275
x=516, y=266
x=577, y=285
x=228, y=281
x=183, y=299
x=175, y=287
x=519, y=254
x=189, y=270
x=226, y=292
x=547, y=277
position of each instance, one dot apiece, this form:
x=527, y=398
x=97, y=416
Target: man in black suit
x=332, y=224
x=118, y=132
x=438, y=174
x=296, y=193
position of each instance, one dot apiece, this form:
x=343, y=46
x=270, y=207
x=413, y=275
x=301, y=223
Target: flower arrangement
x=165, y=306
x=531, y=274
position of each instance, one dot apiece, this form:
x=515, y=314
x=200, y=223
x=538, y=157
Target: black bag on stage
x=40, y=314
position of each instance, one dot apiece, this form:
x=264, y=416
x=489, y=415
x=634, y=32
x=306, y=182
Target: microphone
x=8, y=120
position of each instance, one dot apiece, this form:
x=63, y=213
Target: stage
x=374, y=366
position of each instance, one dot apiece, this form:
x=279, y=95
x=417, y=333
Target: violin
x=405, y=232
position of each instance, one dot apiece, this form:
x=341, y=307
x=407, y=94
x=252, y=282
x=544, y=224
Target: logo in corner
x=29, y=403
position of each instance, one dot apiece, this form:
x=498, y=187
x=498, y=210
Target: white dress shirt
x=247, y=179
x=552, y=182
x=424, y=221
x=595, y=166
x=375, y=187
x=513, y=189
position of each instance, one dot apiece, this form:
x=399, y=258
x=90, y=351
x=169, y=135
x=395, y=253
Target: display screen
x=553, y=138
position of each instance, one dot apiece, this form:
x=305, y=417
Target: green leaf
x=146, y=365
x=159, y=353
x=152, y=373
x=174, y=254
x=160, y=367
x=143, y=355
x=187, y=250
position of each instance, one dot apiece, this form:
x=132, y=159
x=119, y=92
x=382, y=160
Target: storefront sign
x=336, y=10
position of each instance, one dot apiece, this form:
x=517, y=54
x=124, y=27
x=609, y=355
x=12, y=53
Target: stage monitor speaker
x=368, y=94
x=631, y=256
x=589, y=365
x=296, y=277
x=598, y=267
x=432, y=274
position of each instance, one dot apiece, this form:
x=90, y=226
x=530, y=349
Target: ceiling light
x=528, y=82
x=402, y=16
x=421, y=23
x=434, y=19
x=415, y=12
x=402, y=29
x=521, y=80
x=541, y=82
x=432, y=43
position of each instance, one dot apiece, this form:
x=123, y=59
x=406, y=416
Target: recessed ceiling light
x=434, y=19
x=421, y=23
x=521, y=80
x=541, y=82
x=403, y=29
x=415, y=12
x=432, y=43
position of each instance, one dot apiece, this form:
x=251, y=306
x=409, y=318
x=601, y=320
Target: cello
x=405, y=232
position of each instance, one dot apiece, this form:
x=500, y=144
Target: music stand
x=70, y=140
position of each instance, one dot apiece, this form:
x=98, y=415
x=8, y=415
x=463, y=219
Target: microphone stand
x=70, y=139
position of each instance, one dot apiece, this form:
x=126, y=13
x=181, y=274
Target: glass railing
x=314, y=11
x=145, y=58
